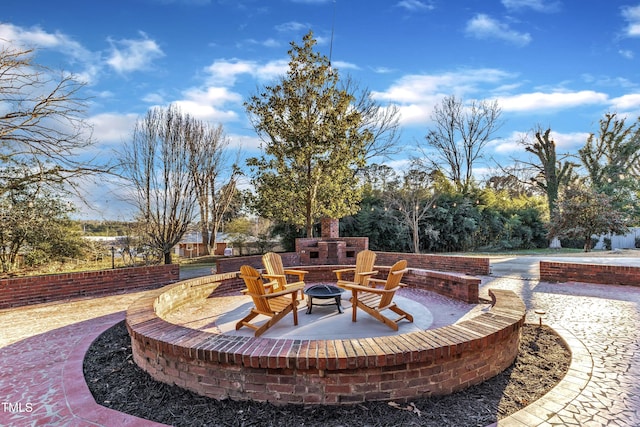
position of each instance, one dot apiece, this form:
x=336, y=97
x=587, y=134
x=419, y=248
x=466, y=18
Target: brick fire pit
x=346, y=371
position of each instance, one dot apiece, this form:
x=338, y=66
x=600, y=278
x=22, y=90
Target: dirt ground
x=116, y=382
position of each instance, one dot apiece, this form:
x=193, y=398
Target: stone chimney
x=330, y=228
x=330, y=248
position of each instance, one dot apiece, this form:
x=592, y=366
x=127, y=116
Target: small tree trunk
x=555, y=243
x=204, y=231
x=167, y=257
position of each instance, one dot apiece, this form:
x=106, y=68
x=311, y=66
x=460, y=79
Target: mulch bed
x=116, y=382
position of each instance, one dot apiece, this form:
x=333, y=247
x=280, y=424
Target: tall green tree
x=612, y=160
x=550, y=171
x=313, y=143
x=34, y=221
x=582, y=212
x=455, y=218
x=239, y=231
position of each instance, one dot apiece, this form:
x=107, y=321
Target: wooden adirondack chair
x=362, y=272
x=275, y=305
x=375, y=300
x=276, y=272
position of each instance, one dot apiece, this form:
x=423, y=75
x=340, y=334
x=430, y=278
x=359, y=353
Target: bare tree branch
x=459, y=136
x=156, y=163
x=42, y=123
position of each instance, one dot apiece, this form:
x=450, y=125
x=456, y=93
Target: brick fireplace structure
x=330, y=248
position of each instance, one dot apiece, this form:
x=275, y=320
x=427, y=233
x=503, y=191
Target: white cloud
x=383, y=70
x=483, y=26
x=271, y=70
x=208, y=104
x=341, y=65
x=565, y=142
x=415, y=5
x=417, y=95
x=631, y=14
x=154, y=98
x=244, y=142
x=292, y=26
x=537, y=5
x=399, y=164
x=569, y=142
x=105, y=198
x=626, y=102
x=270, y=43
x=541, y=102
x=415, y=114
x=129, y=55
x=213, y=96
x=206, y=111
x=35, y=37
x=417, y=87
x=509, y=144
x=112, y=128
x=227, y=71
x=322, y=41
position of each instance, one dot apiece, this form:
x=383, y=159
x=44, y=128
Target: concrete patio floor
x=220, y=315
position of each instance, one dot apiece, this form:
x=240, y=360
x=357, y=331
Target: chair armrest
x=281, y=293
x=367, y=273
x=296, y=285
x=344, y=270
x=400, y=271
x=346, y=284
x=274, y=276
x=371, y=290
x=299, y=273
x=374, y=281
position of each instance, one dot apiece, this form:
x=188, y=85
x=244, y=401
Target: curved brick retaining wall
x=402, y=367
x=452, y=263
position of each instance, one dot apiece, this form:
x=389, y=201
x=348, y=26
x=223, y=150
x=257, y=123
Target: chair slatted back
x=364, y=264
x=393, y=280
x=273, y=264
x=254, y=284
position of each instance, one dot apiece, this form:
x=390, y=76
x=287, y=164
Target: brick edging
x=453, y=263
x=551, y=271
x=401, y=367
x=22, y=291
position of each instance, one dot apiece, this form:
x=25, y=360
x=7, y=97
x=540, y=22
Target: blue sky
x=554, y=63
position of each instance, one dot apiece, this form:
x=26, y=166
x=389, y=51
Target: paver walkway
x=42, y=347
x=601, y=324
